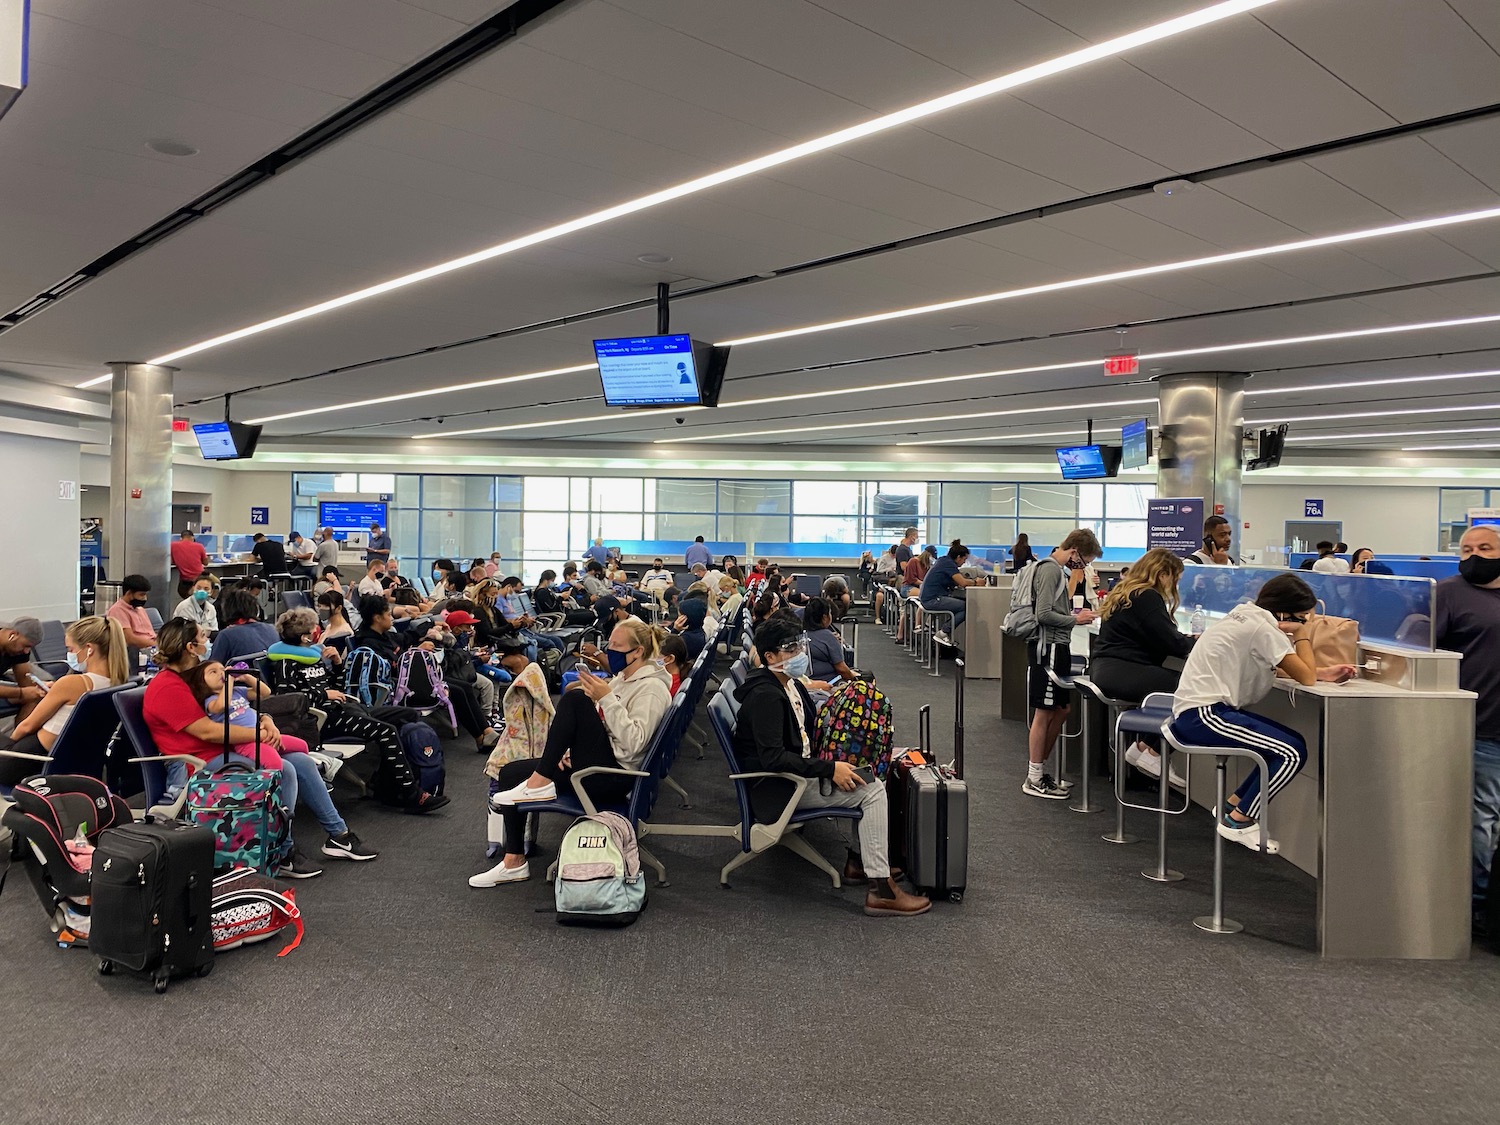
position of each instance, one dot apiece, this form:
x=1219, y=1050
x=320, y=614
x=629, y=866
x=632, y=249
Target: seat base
x=1167, y=876
x=1207, y=924
x=1119, y=838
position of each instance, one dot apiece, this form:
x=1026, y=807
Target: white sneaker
x=501, y=874
x=520, y=794
x=942, y=638
x=1149, y=763
x=1247, y=834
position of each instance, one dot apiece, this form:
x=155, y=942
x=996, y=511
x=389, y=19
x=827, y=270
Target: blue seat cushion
x=1144, y=720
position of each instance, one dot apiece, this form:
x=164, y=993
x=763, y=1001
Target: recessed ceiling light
x=171, y=148
x=1169, y=188
x=653, y=259
x=1060, y=64
x=963, y=328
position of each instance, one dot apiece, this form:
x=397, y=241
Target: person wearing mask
x=1231, y=668
x=551, y=599
x=189, y=559
x=179, y=725
x=825, y=648
x=379, y=549
x=335, y=615
x=1138, y=636
x=492, y=568
x=17, y=639
x=1467, y=620
x=1020, y=553
x=773, y=733
x=511, y=608
x=393, y=579
x=298, y=662
x=905, y=549
x=96, y=659
x=597, y=553
x=697, y=552
x=130, y=611
x=326, y=552
x=330, y=579
x=1328, y=561
x=243, y=632
x=595, y=585
x=271, y=554
x=198, y=606
x=603, y=722
x=1217, y=537
x=731, y=566
x=493, y=626
x=912, y=577
x=657, y=578
x=370, y=584
x=300, y=553
x=940, y=589
x=1056, y=620
x=674, y=659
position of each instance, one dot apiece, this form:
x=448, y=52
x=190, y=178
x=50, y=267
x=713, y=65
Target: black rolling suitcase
x=152, y=891
x=929, y=806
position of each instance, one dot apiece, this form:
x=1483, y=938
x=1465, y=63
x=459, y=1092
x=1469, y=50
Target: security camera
x=679, y=421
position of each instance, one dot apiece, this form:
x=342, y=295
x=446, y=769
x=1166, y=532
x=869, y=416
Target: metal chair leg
x=1216, y=923
x=1162, y=873
x=1083, y=804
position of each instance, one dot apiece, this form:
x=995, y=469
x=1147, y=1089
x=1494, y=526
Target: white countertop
x=1365, y=689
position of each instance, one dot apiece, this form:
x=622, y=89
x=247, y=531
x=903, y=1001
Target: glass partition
x=1393, y=611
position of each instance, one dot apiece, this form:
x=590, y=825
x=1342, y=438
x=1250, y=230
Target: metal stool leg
x=1162, y=873
x=1118, y=836
x=1082, y=804
x=1216, y=923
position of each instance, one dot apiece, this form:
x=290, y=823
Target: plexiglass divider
x=1390, y=610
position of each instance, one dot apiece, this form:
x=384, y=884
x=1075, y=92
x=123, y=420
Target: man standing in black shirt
x=272, y=555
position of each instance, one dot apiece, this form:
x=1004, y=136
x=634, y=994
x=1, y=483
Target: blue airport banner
x=1176, y=525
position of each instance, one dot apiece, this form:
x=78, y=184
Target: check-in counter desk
x=1381, y=815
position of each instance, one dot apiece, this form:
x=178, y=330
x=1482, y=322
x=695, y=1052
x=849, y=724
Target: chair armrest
x=763, y=836
x=319, y=717
x=26, y=757
x=581, y=793
x=172, y=758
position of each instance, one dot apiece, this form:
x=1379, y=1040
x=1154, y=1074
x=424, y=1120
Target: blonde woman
x=1138, y=636
x=96, y=655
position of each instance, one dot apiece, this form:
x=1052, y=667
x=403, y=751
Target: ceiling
x=608, y=100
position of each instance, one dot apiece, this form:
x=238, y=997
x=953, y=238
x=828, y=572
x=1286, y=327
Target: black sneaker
x=298, y=867
x=348, y=846
x=1046, y=787
x=430, y=802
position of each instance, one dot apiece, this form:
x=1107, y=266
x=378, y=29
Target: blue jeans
x=1486, y=814
x=956, y=605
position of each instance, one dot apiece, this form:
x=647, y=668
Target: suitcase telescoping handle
x=924, y=732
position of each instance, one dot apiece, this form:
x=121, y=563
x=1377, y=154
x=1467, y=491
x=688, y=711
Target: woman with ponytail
x=96, y=655
x=601, y=721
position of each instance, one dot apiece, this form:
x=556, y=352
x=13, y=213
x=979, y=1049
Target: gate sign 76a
x=1312, y=508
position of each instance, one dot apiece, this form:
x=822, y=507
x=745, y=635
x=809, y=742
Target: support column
x=140, y=477
x=1202, y=420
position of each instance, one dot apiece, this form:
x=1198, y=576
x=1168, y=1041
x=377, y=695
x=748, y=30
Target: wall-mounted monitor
x=226, y=441
x=1135, y=445
x=1267, y=450
x=1087, y=462
x=660, y=371
x=346, y=516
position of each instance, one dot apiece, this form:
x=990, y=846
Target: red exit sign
x=1121, y=365
x=181, y=425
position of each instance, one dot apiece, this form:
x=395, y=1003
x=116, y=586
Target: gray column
x=1202, y=420
x=140, y=477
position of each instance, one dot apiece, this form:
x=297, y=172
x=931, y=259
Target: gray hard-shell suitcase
x=934, y=811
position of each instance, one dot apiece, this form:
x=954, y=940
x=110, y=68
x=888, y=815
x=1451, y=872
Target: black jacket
x=1142, y=632
x=387, y=645
x=765, y=734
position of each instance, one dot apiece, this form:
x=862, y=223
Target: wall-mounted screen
x=226, y=441
x=345, y=516
x=1135, y=445
x=660, y=371
x=1086, y=462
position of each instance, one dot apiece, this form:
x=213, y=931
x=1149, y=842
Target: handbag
x=1335, y=640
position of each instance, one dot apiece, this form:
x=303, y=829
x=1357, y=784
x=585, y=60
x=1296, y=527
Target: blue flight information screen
x=1081, y=462
x=648, y=371
x=1133, y=443
x=215, y=441
x=350, y=515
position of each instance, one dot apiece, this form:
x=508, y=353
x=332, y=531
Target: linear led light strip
x=1495, y=406
x=1098, y=432
x=1070, y=61
x=1435, y=448
x=1395, y=434
x=1042, y=368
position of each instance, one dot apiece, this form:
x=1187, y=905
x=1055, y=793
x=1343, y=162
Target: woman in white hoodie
x=599, y=722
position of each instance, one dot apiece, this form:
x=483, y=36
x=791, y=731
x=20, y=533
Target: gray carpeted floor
x=1064, y=988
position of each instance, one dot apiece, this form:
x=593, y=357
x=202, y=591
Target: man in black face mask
x=1468, y=621
x=130, y=611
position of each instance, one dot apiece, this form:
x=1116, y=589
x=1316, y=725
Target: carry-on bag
x=152, y=887
x=929, y=809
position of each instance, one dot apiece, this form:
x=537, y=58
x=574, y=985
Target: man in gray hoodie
x=1057, y=577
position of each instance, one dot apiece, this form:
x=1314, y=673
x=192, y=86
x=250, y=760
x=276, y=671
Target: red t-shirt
x=170, y=708
x=189, y=558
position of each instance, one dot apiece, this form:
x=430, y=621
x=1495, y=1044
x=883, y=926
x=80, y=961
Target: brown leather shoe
x=854, y=873
x=896, y=904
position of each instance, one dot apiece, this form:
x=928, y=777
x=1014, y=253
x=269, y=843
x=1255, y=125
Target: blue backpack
x=363, y=668
x=424, y=750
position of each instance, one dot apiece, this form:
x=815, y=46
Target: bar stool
x=1216, y=923
x=1154, y=713
x=1112, y=707
x=930, y=631
x=1066, y=736
x=913, y=609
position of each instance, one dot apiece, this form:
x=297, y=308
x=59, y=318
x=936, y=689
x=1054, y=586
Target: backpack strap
x=403, y=674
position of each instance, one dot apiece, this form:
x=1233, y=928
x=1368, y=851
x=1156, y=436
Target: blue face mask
x=200, y=595
x=74, y=661
x=617, y=660
x=796, y=666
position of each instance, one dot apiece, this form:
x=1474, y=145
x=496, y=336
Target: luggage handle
x=924, y=731
x=241, y=666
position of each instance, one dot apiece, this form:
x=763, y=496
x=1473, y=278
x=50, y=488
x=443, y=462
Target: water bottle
x=1199, y=621
x=80, y=851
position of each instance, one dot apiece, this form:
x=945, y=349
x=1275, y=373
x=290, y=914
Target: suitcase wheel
x=204, y=969
x=161, y=984
x=955, y=896
x=106, y=968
